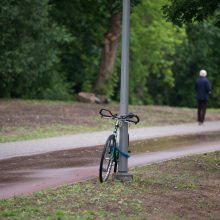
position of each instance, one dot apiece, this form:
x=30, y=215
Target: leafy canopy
x=184, y=11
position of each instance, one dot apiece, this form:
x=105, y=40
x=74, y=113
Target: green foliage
x=51, y=49
x=87, y=22
x=152, y=49
x=199, y=51
x=29, y=53
x=184, y=11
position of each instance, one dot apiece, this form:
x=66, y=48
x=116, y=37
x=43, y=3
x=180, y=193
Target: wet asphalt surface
x=28, y=174
x=40, y=146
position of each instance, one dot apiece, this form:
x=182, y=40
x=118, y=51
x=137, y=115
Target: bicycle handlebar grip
x=131, y=116
x=138, y=119
x=102, y=113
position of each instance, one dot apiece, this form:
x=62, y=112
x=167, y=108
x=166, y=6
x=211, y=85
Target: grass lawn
x=186, y=188
x=23, y=120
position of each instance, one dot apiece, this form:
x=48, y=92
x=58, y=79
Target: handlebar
x=130, y=118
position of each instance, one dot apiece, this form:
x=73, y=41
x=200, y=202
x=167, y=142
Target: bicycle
x=111, y=151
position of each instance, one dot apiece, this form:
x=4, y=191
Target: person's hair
x=203, y=73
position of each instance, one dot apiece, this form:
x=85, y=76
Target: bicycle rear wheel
x=107, y=159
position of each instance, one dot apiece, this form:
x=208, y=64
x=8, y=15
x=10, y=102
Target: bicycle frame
x=117, y=149
x=111, y=151
x=115, y=130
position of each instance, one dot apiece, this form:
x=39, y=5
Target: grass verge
x=186, y=188
x=23, y=120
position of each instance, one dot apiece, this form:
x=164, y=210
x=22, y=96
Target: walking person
x=203, y=89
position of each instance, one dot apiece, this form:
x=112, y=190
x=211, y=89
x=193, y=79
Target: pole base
x=123, y=177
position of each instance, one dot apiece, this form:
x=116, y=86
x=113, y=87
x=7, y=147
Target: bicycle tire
x=116, y=157
x=115, y=167
x=107, y=159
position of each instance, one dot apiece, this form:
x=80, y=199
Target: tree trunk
x=109, y=52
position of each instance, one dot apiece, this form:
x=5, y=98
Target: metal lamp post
x=123, y=140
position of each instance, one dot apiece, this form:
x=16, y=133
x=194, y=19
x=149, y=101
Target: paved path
x=32, y=180
x=23, y=148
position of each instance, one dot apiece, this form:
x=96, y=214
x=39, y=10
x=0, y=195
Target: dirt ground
x=30, y=113
x=186, y=188
x=18, y=113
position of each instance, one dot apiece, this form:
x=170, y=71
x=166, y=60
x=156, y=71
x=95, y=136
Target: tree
x=185, y=11
x=29, y=56
x=153, y=42
x=109, y=52
x=95, y=26
x=110, y=44
x=86, y=21
x=200, y=50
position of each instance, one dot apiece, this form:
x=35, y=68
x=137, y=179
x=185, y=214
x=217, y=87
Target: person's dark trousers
x=202, y=104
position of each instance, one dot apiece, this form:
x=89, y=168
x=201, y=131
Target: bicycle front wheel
x=107, y=159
